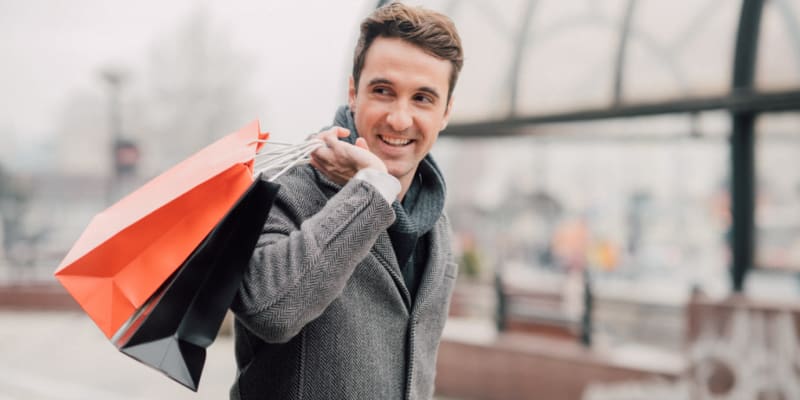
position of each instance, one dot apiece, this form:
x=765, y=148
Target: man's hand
x=340, y=161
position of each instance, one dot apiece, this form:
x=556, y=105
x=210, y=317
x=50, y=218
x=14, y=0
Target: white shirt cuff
x=387, y=185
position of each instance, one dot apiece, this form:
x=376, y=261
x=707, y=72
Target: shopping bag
x=129, y=250
x=172, y=331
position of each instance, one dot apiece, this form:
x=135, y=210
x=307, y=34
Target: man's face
x=401, y=103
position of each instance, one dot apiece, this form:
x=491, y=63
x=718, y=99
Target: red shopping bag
x=173, y=329
x=129, y=250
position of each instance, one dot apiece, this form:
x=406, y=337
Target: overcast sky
x=53, y=48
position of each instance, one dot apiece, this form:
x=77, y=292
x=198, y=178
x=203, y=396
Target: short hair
x=433, y=32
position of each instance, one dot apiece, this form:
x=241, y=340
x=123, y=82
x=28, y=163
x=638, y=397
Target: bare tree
x=193, y=88
x=194, y=91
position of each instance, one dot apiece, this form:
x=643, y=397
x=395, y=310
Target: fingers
x=342, y=132
x=334, y=132
x=340, y=160
x=322, y=153
x=315, y=163
x=362, y=143
x=330, y=140
x=331, y=165
x=331, y=137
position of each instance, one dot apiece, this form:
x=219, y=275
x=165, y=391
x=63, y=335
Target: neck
x=405, y=183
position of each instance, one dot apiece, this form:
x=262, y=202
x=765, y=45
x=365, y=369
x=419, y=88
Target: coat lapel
x=383, y=251
x=432, y=276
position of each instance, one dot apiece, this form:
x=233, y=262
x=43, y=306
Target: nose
x=399, y=117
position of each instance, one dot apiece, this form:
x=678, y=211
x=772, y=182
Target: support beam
x=622, y=46
x=743, y=147
x=742, y=234
x=520, y=43
x=741, y=101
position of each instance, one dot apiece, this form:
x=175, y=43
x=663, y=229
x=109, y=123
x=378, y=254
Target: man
x=349, y=286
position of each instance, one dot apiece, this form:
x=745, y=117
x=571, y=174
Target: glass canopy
x=623, y=71
x=547, y=58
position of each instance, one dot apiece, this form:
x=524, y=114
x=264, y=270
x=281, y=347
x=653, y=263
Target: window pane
x=647, y=198
x=488, y=30
x=680, y=49
x=778, y=195
x=778, y=65
x=568, y=61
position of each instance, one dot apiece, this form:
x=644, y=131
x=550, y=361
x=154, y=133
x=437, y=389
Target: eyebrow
x=384, y=81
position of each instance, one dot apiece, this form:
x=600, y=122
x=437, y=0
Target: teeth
x=395, y=141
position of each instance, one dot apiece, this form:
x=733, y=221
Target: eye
x=423, y=98
x=381, y=90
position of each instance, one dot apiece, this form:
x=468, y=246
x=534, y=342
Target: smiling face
x=401, y=104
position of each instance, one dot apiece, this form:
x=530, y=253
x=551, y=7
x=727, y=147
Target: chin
x=397, y=172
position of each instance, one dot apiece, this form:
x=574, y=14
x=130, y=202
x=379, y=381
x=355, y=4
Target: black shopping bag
x=173, y=329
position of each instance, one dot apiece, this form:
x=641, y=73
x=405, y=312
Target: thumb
x=361, y=142
x=342, y=132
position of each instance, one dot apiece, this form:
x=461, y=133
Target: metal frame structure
x=743, y=102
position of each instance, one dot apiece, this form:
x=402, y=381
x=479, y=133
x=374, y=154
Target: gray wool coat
x=324, y=313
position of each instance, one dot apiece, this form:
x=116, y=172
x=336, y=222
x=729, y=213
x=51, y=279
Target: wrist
x=387, y=185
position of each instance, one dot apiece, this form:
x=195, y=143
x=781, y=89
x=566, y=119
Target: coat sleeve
x=297, y=271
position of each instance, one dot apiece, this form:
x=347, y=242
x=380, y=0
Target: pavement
x=49, y=355
x=62, y=355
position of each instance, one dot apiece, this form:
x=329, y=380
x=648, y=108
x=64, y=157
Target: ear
x=351, y=93
x=447, y=112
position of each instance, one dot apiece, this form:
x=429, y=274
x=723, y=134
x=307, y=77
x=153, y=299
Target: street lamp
x=124, y=152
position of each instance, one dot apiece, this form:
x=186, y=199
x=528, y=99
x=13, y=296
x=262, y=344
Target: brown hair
x=431, y=31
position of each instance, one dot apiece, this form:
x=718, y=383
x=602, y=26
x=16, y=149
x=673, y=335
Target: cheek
x=360, y=120
x=430, y=126
x=366, y=115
